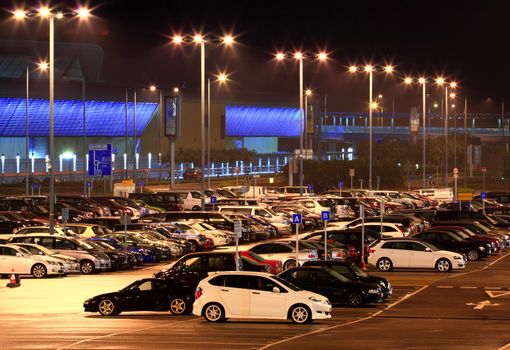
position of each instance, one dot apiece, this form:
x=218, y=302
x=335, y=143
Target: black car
x=189, y=270
x=164, y=200
x=148, y=294
x=446, y=240
x=334, y=286
x=133, y=241
x=354, y=273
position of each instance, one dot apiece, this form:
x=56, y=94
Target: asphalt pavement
x=429, y=310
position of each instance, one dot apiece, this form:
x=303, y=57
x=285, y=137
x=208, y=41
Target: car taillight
x=372, y=251
x=198, y=293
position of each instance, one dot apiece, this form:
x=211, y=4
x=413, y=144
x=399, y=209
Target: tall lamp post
x=308, y=93
x=200, y=40
x=453, y=85
x=46, y=13
x=370, y=69
x=154, y=88
x=300, y=56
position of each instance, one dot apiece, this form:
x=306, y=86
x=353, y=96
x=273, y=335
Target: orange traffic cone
x=14, y=280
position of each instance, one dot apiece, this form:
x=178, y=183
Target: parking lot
x=452, y=309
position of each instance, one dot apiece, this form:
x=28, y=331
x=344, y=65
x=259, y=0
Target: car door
x=147, y=295
x=330, y=287
x=300, y=277
x=235, y=294
x=189, y=271
x=10, y=262
x=264, y=302
x=398, y=253
x=420, y=256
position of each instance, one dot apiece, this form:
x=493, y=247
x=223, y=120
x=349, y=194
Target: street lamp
x=308, y=93
x=201, y=40
x=46, y=13
x=154, y=88
x=300, y=56
x=442, y=82
x=370, y=70
x=221, y=78
x=423, y=82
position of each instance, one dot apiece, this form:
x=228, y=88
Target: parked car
x=275, y=266
x=91, y=260
x=147, y=294
x=286, y=253
x=20, y=261
x=337, y=288
x=387, y=254
x=170, y=201
x=70, y=264
x=354, y=273
x=256, y=295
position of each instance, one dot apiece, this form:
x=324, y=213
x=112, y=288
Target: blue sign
x=325, y=215
x=36, y=186
x=213, y=199
x=296, y=219
x=340, y=184
x=89, y=184
x=141, y=183
x=310, y=188
x=100, y=159
x=483, y=195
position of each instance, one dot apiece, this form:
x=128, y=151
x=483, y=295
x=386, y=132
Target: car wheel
x=473, y=255
x=178, y=306
x=196, y=208
x=289, y=264
x=300, y=314
x=384, y=264
x=39, y=271
x=194, y=246
x=443, y=265
x=106, y=307
x=214, y=313
x=355, y=299
x=87, y=267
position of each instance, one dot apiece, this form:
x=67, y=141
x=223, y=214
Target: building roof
x=254, y=121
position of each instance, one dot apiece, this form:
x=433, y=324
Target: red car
x=275, y=266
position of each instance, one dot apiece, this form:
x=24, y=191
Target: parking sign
x=213, y=199
x=483, y=195
x=340, y=184
x=325, y=215
x=296, y=219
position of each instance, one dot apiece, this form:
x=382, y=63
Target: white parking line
x=407, y=296
x=465, y=287
x=125, y=332
x=505, y=347
x=444, y=287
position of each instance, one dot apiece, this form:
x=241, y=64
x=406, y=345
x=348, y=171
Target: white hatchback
x=256, y=295
x=387, y=254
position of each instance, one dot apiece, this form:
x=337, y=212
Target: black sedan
x=354, y=273
x=148, y=294
x=334, y=286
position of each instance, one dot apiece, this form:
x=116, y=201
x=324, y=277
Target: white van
x=192, y=199
x=439, y=194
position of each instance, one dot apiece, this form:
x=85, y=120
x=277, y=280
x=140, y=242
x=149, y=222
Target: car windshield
x=286, y=283
x=338, y=276
x=24, y=251
x=37, y=250
x=104, y=245
x=430, y=245
x=357, y=271
x=256, y=256
x=84, y=245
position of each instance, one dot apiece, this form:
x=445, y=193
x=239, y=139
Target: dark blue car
x=143, y=255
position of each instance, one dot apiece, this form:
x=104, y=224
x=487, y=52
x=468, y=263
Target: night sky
x=464, y=40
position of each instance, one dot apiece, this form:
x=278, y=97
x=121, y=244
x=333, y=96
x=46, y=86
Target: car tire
x=196, y=208
x=355, y=299
x=473, y=255
x=214, y=312
x=87, y=267
x=443, y=265
x=300, y=314
x=195, y=246
x=178, y=306
x=384, y=264
x=289, y=264
x=39, y=271
x=107, y=307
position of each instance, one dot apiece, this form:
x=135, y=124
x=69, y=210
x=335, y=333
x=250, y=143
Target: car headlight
x=318, y=300
x=481, y=248
x=53, y=263
x=374, y=291
x=456, y=257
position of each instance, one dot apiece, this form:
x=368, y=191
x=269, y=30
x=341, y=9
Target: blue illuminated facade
x=255, y=121
x=103, y=118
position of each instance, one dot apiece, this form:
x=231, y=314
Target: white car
x=256, y=295
x=387, y=254
x=70, y=264
x=14, y=259
x=286, y=253
x=219, y=238
x=192, y=199
x=40, y=230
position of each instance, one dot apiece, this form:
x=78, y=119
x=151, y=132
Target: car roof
x=246, y=273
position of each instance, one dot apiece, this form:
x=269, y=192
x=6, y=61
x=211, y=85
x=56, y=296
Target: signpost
x=455, y=178
x=483, y=196
x=89, y=187
x=325, y=216
x=309, y=187
x=352, y=173
x=213, y=201
x=382, y=210
x=340, y=187
x=100, y=161
x=238, y=231
x=296, y=220
x=484, y=171
x=362, y=216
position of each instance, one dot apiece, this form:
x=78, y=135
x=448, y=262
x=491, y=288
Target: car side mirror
x=19, y=255
x=276, y=290
x=428, y=249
